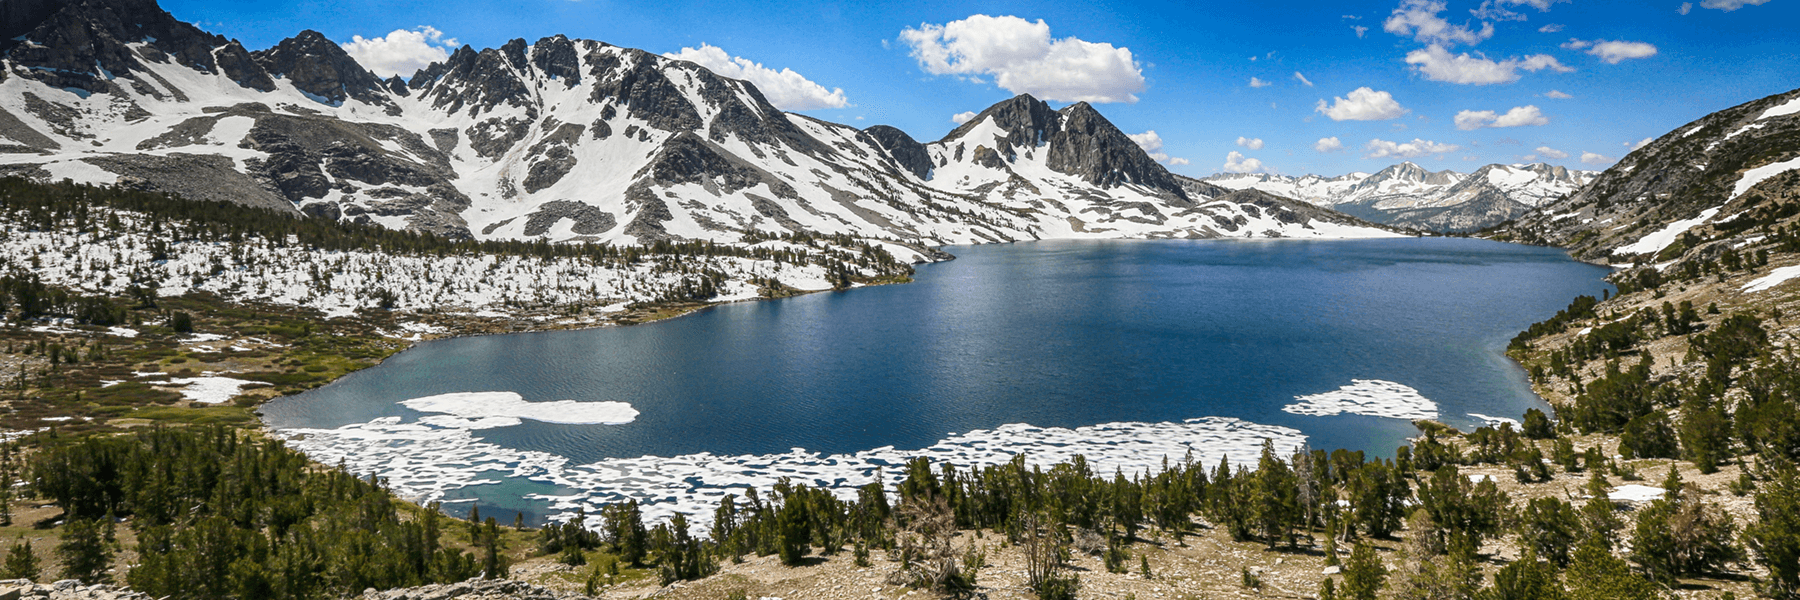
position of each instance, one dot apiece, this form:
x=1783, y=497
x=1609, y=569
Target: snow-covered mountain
x=1408, y=195
x=1727, y=182
x=563, y=140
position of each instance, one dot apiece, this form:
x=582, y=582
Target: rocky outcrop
x=67, y=589
x=322, y=69
x=907, y=152
x=193, y=176
x=1091, y=147
x=589, y=220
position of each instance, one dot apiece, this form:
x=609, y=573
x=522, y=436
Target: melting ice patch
x=424, y=460
x=211, y=389
x=501, y=409
x=1496, y=422
x=1372, y=397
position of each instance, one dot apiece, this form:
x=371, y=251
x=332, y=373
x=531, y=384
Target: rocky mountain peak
x=321, y=68
x=1025, y=120
x=1090, y=146
x=911, y=154
x=78, y=44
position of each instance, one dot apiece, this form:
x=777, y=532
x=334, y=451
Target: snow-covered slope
x=1407, y=194
x=1725, y=181
x=563, y=140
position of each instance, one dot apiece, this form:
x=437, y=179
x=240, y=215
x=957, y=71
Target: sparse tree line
x=158, y=224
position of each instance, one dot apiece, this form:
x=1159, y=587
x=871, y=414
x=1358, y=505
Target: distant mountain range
x=565, y=140
x=1408, y=195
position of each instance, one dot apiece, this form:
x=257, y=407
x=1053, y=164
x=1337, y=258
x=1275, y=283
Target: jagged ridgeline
x=562, y=140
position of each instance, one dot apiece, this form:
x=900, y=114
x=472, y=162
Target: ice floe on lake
x=424, y=460
x=492, y=408
x=1496, y=422
x=1372, y=397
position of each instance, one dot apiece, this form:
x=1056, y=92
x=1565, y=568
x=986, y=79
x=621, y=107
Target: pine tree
x=21, y=562
x=1364, y=575
x=1526, y=579
x=86, y=550
x=1595, y=574
x=1775, y=537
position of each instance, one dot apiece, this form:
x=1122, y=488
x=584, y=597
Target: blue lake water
x=1054, y=334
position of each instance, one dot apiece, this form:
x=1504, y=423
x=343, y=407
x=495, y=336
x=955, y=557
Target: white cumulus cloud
x=1497, y=9
x=1419, y=19
x=1552, y=152
x=1731, y=5
x=1519, y=116
x=1302, y=79
x=1250, y=142
x=1557, y=95
x=1615, y=51
x=1363, y=104
x=1022, y=58
x=1379, y=148
x=1551, y=28
x=1330, y=144
x=401, y=52
x=1152, y=143
x=785, y=89
x=1640, y=143
x=1236, y=162
x=1686, y=7
x=1437, y=64
x=1590, y=158
x=962, y=117
x=1258, y=83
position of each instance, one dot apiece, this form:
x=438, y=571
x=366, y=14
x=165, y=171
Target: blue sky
x=1631, y=70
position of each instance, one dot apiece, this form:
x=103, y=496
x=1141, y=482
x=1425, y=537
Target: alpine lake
x=1126, y=352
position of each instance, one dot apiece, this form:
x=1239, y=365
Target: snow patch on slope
x=1774, y=278
x=1662, y=238
x=1760, y=174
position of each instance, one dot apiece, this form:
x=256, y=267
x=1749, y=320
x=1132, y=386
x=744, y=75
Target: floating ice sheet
x=493, y=407
x=424, y=460
x=1372, y=397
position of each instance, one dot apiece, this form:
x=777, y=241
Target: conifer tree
x=1775, y=537
x=1364, y=575
x=21, y=562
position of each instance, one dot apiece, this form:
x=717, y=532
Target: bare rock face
x=193, y=176
x=321, y=68
x=1090, y=146
x=82, y=44
x=908, y=152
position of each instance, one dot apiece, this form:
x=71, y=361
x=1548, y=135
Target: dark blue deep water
x=1065, y=333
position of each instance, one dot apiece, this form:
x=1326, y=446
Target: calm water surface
x=1066, y=333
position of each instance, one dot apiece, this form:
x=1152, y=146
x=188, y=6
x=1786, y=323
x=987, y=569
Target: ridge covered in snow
x=563, y=140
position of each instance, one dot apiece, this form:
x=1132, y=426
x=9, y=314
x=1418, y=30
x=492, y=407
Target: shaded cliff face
x=1720, y=177
x=559, y=139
